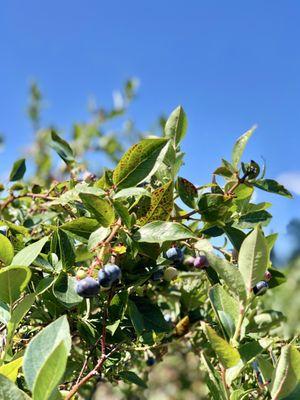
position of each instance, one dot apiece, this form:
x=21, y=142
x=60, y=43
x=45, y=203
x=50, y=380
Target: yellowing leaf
x=11, y=369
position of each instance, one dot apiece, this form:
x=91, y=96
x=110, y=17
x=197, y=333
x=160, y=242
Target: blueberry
x=87, y=287
x=150, y=361
x=104, y=278
x=108, y=275
x=174, y=254
x=113, y=271
x=200, y=262
x=3, y=230
x=157, y=275
x=260, y=288
x=170, y=273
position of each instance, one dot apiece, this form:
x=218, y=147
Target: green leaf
x=176, y=125
x=4, y=313
x=131, y=191
x=6, y=250
x=253, y=258
x=228, y=355
x=161, y=204
x=13, y=281
x=127, y=219
x=26, y=256
x=11, y=369
x=278, y=278
x=66, y=248
x=64, y=289
x=81, y=227
x=239, y=147
x=117, y=310
x=214, y=378
x=229, y=273
x=97, y=237
x=18, y=170
x=41, y=348
x=132, y=377
x=187, y=192
x=140, y=162
x=271, y=186
x=250, y=350
x=18, y=314
x=236, y=236
x=250, y=220
x=160, y=232
x=62, y=148
x=286, y=377
x=9, y=391
x=100, y=208
x=266, y=368
x=51, y=372
x=226, y=308
x=146, y=316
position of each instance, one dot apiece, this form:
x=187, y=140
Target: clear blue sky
x=229, y=63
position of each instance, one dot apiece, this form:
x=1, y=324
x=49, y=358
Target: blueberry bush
x=101, y=276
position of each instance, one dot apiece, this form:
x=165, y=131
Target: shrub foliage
x=100, y=275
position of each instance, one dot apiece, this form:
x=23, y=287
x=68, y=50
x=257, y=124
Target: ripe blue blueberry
x=200, y=262
x=174, y=254
x=150, y=361
x=87, y=287
x=108, y=275
x=3, y=230
x=260, y=288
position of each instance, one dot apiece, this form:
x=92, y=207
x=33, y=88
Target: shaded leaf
x=18, y=170
x=64, y=289
x=187, y=192
x=132, y=377
x=18, y=314
x=62, y=148
x=6, y=250
x=9, y=391
x=66, y=248
x=81, y=227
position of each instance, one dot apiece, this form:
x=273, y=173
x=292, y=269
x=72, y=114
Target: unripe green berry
x=170, y=273
x=80, y=274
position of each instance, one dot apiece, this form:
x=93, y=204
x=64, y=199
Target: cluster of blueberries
x=107, y=276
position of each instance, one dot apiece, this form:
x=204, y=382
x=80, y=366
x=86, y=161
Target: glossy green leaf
x=26, y=256
x=42, y=347
x=228, y=355
x=97, y=237
x=278, y=278
x=62, y=148
x=271, y=186
x=226, y=308
x=176, y=125
x=64, y=289
x=286, y=378
x=9, y=391
x=81, y=228
x=99, y=208
x=13, y=280
x=253, y=258
x=160, y=232
x=239, y=147
x=139, y=162
x=6, y=250
x=229, y=273
x=250, y=220
x=11, y=369
x=18, y=170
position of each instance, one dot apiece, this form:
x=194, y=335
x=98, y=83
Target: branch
x=101, y=360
